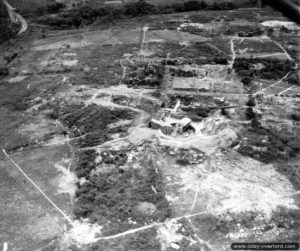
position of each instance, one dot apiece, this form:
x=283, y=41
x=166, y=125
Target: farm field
x=142, y=135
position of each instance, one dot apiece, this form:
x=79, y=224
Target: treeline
x=107, y=14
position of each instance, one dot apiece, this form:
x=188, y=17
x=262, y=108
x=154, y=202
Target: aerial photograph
x=149, y=125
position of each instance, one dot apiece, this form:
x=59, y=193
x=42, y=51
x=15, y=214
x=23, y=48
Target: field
x=137, y=135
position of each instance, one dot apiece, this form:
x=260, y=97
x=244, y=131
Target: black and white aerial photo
x=149, y=125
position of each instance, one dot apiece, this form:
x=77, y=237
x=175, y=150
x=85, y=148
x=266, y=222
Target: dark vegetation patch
x=256, y=46
x=276, y=145
x=215, y=228
x=106, y=14
x=245, y=30
x=91, y=119
x=223, y=44
x=291, y=171
x=208, y=16
x=286, y=219
x=189, y=241
x=192, y=52
x=195, y=107
x=143, y=240
x=293, y=78
x=10, y=139
x=93, y=139
x=150, y=75
x=290, y=44
x=184, y=156
x=190, y=100
x=111, y=198
x=5, y=27
x=149, y=106
x=270, y=146
x=273, y=68
x=103, y=63
x=296, y=116
x=16, y=96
